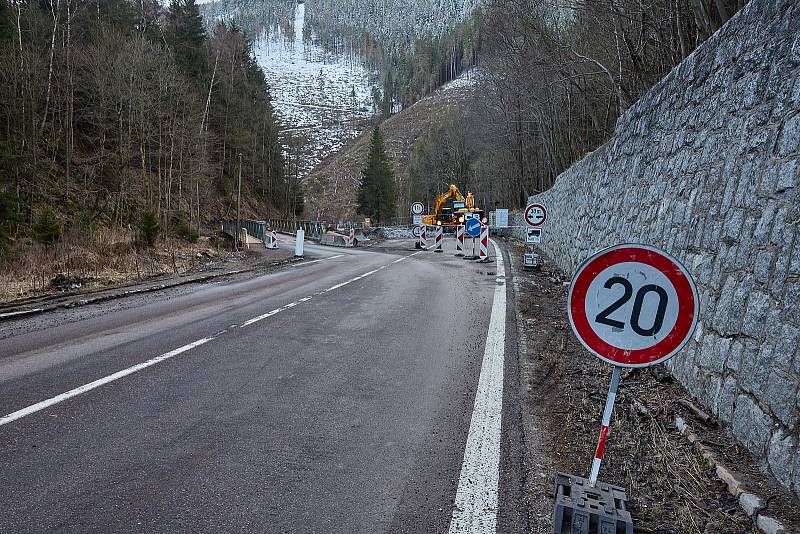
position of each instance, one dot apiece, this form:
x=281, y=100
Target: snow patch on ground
x=323, y=100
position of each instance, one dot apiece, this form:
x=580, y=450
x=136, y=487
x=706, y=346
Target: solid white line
x=475, y=507
x=33, y=408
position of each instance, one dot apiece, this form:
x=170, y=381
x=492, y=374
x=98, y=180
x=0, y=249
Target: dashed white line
x=33, y=408
x=315, y=261
x=475, y=507
x=260, y=317
x=167, y=355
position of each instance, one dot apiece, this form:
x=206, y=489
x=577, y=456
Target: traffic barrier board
x=633, y=305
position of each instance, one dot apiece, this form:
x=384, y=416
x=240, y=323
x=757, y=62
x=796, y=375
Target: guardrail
x=312, y=229
x=254, y=228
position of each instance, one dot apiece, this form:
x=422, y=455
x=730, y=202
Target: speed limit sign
x=633, y=305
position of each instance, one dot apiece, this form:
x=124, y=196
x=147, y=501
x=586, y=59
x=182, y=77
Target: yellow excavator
x=451, y=208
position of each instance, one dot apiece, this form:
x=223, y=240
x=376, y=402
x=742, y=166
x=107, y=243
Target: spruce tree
x=47, y=230
x=376, y=195
x=187, y=36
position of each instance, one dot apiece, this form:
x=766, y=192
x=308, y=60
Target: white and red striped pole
x=484, y=244
x=437, y=247
x=460, y=240
x=601, y=443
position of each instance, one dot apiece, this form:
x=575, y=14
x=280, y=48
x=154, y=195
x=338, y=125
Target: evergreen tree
x=187, y=36
x=148, y=229
x=376, y=195
x=47, y=230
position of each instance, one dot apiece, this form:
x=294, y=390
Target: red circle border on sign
x=544, y=210
x=671, y=268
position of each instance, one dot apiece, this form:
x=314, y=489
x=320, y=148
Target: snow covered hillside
x=322, y=99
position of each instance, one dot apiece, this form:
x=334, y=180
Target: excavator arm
x=452, y=192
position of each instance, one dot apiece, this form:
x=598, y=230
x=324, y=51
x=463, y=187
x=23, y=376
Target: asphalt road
x=332, y=396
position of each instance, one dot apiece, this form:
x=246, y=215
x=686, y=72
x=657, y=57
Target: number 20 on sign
x=631, y=305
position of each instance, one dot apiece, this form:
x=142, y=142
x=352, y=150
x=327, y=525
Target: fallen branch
x=700, y=414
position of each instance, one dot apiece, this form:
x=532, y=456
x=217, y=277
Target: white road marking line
x=337, y=286
x=260, y=317
x=475, y=506
x=315, y=261
x=33, y=408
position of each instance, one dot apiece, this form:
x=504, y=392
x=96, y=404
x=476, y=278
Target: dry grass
x=102, y=258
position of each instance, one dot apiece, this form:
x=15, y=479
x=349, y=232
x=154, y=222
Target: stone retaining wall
x=706, y=166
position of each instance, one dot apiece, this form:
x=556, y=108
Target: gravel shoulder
x=671, y=487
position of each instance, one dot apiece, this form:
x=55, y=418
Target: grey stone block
x=762, y=266
x=786, y=347
x=757, y=307
x=781, y=397
x=787, y=176
x=780, y=456
x=751, y=425
x=755, y=367
x=789, y=140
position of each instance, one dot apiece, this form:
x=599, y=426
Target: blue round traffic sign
x=474, y=227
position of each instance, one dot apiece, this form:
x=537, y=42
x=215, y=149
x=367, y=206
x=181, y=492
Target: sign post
x=631, y=305
x=473, y=229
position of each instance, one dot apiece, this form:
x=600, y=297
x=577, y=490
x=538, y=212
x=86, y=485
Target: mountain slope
x=331, y=188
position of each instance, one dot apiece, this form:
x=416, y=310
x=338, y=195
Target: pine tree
x=376, y=195
x=187, y=36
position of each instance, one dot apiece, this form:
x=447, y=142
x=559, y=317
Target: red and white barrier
x=423, y=237
x=437, y=246
x=460, y=240
x=484, y=244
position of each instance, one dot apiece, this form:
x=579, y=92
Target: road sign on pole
x=473, y=227
x=501, y=218
x=534, y=235
x=416, y=231
x=416, y=219
x=631, y=305
x=535, y=214
x=417, y=208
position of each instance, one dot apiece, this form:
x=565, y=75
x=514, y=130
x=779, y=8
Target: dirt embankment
x=671, y=487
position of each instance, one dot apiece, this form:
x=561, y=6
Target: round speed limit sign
x=633, y=305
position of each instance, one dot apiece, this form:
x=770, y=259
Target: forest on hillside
x=555, y=75
x=115, y=108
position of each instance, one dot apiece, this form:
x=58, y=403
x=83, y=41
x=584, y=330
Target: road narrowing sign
x=417, y=208
x=535, y=214
x=473, y=227
x=633, y=305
